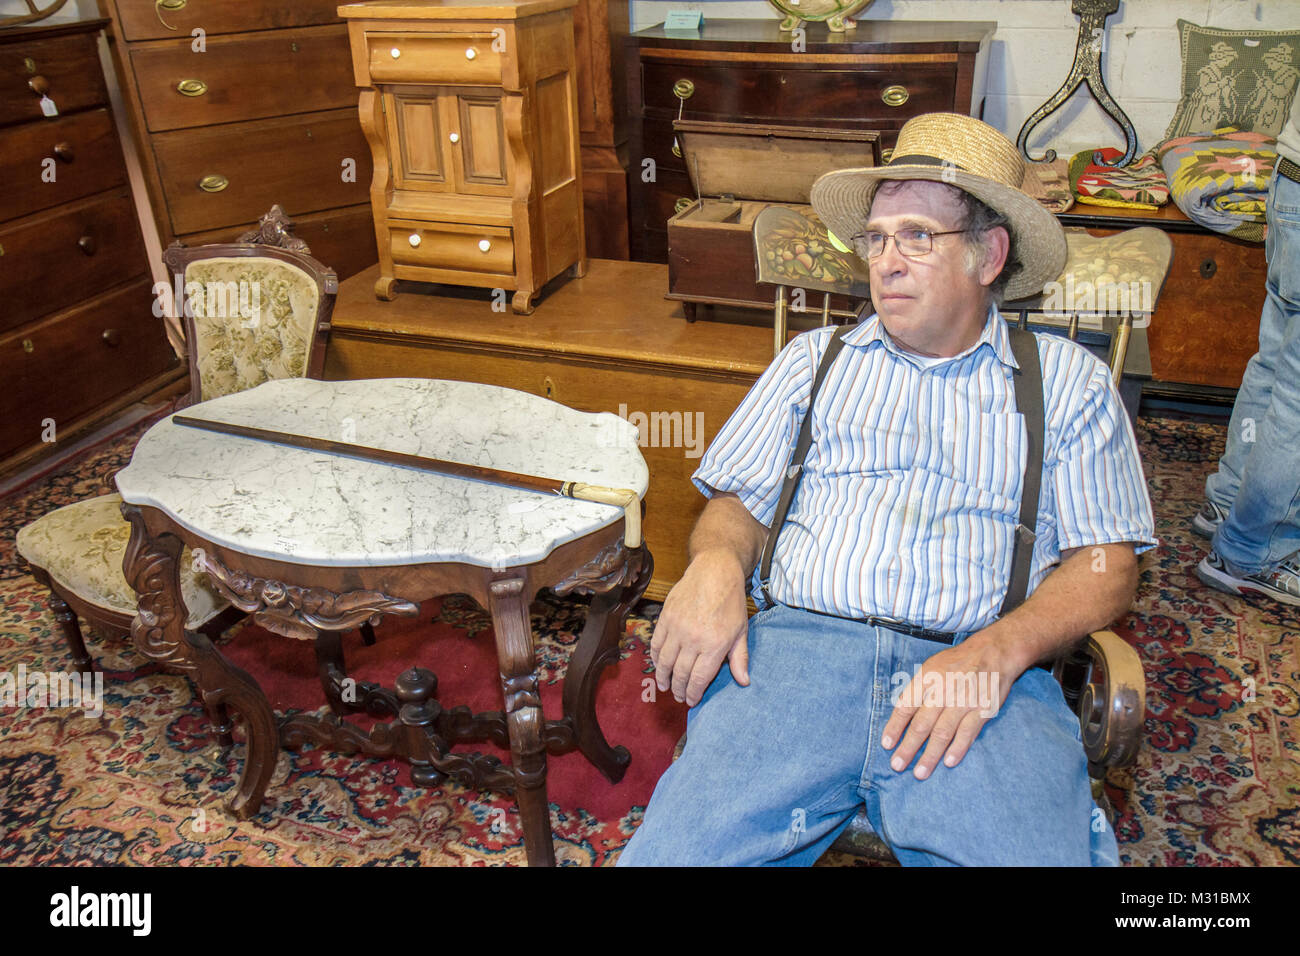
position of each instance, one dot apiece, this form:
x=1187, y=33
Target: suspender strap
x=794, y=467
x=1028, y=382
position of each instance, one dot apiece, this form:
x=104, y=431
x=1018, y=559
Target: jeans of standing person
x=772, y=773
x=1258, y=481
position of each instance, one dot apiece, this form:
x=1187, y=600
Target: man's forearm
x=726, y=525
x=1088, y=590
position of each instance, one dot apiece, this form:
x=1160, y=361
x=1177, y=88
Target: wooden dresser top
x=451, y=9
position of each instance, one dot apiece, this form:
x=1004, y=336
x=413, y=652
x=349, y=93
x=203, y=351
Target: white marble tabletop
x=322, y=509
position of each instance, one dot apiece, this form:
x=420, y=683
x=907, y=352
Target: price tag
x=684, y=20
x=48, y=107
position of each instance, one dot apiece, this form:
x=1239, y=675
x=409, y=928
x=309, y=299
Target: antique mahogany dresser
x=873, y=78
x=471, y=112
x=236, y=105
x=78, y=337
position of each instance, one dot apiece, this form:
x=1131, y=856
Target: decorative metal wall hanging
x=1085, y=69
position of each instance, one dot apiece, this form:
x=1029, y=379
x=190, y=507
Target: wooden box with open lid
x=738, y=170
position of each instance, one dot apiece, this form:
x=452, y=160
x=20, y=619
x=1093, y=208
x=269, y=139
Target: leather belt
x=1288, y=169
x=889, y=623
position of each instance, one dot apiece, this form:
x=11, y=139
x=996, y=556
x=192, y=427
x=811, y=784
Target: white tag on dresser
x=48, y=107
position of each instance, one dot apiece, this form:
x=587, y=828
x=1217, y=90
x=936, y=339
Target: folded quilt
x=1140, y=186
x=1220, y=179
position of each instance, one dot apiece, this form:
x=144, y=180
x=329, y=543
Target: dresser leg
x=524, y=721
x=522, y=302
x=579, y=268
x=385, y=288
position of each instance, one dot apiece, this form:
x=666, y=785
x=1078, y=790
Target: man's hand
x=948, y=703
x=703, y=621
x=1089, y=589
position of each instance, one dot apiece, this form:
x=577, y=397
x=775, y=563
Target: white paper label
x=48, y=107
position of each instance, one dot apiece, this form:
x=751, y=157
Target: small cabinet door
x=448, y=140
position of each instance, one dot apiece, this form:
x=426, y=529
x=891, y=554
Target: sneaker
x=1208, y=519
x=1281, y=584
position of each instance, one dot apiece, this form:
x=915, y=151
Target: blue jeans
x=1258, y=481
x=773, y=772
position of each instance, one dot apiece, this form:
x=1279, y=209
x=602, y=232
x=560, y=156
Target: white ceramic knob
x=415, y=240
x=395, y=52
x=484, y=245
x=471, y=53
x=454, y=137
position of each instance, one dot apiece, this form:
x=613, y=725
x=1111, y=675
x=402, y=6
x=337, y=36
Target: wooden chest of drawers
x=875, y=78
x=78, y=337
x=471, y=113
x=238, y=104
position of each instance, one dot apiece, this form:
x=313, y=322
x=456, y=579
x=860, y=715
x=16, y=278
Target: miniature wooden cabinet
x=470, y=111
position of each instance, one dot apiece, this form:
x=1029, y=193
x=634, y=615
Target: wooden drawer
x=87, y=158
x=141, y=20
x=297, y=70
x=67, y=67
x=341, y=239
x=462, y=58
x=295, y=161
x=452, y=246
x=72, y=363
x=853, y=98
x=57, y=260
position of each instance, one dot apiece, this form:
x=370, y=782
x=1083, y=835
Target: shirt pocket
x=983, y=452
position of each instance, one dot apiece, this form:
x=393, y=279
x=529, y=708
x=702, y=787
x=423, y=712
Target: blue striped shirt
x=911, y=491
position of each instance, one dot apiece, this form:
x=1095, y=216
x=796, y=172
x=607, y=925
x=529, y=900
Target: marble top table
x=315, y=543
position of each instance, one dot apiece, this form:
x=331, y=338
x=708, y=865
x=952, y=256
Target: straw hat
x=968, y=154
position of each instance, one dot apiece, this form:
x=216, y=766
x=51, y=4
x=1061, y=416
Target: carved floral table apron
x=315, y=543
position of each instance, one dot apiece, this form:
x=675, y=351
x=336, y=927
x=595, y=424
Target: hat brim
x=842, y=199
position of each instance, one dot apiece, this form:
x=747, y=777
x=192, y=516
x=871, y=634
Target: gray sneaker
x=1208, y=519
x=1281, y=584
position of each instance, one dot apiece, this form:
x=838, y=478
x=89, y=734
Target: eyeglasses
x=912, y=243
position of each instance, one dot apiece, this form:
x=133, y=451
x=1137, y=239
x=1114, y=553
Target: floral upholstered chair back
x=255, y=310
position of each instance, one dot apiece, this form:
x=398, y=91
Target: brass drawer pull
x=87, y=245
x=681, y=204
x=65, y=152
x=414, y=240
x=887, y=154
x=683, y=89
x=191, y=87
x=484, y=245
x=29, y=64
x=677, y=150
x=895, y=95
x=214, y=183
x=112, y=337
x=172, y=4
x=28, y=346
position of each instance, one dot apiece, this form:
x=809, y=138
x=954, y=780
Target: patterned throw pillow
x=1241, y=78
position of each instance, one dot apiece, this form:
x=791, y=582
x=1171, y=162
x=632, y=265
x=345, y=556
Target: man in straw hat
x=879, y=670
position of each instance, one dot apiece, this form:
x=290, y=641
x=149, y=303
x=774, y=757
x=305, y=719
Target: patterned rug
x=1217, y=780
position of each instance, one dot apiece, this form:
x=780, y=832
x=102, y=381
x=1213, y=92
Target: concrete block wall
x=1034, y=46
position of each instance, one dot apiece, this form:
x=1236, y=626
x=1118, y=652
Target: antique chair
x=253, y=310
x=1101, y=677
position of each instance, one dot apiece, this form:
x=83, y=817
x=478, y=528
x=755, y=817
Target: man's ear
x=997, y=243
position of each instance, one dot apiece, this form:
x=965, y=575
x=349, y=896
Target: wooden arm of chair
x=1112, y=701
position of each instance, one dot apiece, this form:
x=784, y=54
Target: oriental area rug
x=1217, y=780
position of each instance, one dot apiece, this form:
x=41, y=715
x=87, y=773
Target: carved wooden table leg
x=616, y=579
x=152, y=568
x=66, y=618
x=517, y=663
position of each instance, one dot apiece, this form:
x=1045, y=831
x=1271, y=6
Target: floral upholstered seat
x=80, y=546
x=253, y=310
